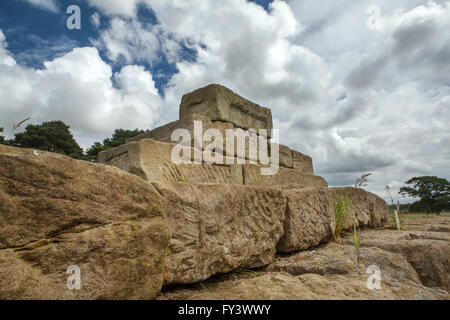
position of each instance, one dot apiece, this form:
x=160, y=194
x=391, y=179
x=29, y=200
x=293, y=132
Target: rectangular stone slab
x=302, y=162
x=56, y=211
x=221, y=104
x=310, y=215
x=309, y=219
x=285, y=176
x=218, y=227
x=366, y=208
x=164, y=133
x=151, y=160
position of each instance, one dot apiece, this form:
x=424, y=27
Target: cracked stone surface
x=56, y=212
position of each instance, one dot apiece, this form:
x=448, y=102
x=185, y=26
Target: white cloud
x=129, y=40
x=116, y=7
x=356, y=100
x=95, y=19
x=49, y=5
x=79, y=89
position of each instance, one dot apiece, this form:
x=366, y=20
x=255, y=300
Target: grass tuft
x=341, y=212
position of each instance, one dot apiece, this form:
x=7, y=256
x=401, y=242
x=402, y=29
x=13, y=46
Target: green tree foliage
x=53, y=136
x=118, y=138
x=433, y=193
x=93, y=151
x=2, y=138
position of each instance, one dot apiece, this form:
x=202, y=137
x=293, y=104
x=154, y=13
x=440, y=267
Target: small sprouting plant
x=357, y=241
x=341, y=211
x=244, y=269
x=180, y=179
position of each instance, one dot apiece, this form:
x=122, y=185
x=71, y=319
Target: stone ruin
x=149, y=155
x=222, y=216
x=138, y=221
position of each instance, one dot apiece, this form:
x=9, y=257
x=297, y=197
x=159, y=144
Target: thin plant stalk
x=357, y=241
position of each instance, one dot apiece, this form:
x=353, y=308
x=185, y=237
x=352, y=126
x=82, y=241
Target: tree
x=2, y=138
x=118, y=138
x=93, y=151
x=53, y=136
x=433, y=193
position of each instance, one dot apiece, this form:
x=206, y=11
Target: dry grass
x=420, y=215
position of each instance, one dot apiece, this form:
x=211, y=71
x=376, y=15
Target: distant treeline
x=55, y=136
x=413, y=207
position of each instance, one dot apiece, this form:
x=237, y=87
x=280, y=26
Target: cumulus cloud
x=116, y=7
x=80, y=89
x=357, y=100
x=49, y=5
x=95, y=19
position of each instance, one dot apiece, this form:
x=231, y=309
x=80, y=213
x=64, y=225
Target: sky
x=361, y=86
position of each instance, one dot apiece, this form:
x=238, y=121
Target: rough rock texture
x=164, y=133
x=310, y=214
x=429, y=257
x=309, y=219
x=218, y=227
x=334, y=258
x=221, y=104
x=56, y=212
x=284, y=176
x=286, y=157
x=151, y=160
x=302, y=162
x=367, y=208
x=283, y=286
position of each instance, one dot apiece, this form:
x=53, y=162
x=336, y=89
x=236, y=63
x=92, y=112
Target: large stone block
x=302, y=162
x=284, y=176
x=151, y=160
x=221, y=104
x=427, y=252
x=164, y=133
x=366, y=208
x=56, y=212
x=309, y=219
x=218, y=227
x=284, y=286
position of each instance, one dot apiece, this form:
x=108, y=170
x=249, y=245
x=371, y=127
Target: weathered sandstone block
x=218, y=227
x=283, y=286
x=427, y=252
x=309, y=219
x=164, y=133
x=56, y=212
x=151, y=160
x=367, y=208
x=334, y=258
x=285, y=176
x=302, y=162
x=221, y=104
x=285, y=156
